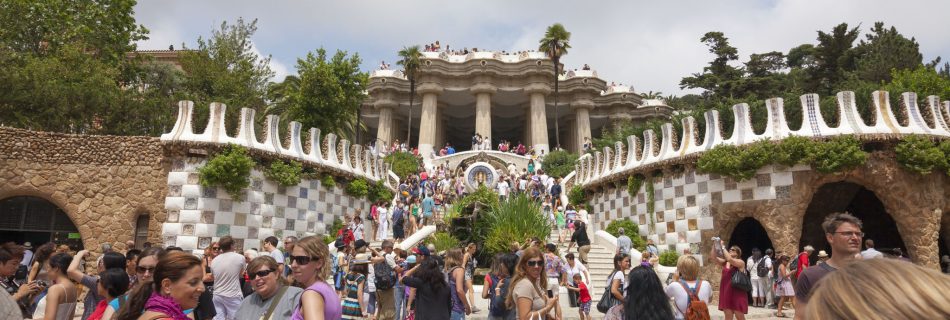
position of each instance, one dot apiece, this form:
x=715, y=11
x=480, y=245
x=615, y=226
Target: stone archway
x=864, y=204
x=34, y=219
x=749, y=234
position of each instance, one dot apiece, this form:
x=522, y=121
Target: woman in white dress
x=60, y=300
x=382, y=215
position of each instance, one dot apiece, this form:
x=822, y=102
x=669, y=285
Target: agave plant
x=517, y=219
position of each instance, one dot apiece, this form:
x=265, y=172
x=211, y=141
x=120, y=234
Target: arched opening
x=33, y=219
x=141, y=230
x=860, y=202
x=750, y=234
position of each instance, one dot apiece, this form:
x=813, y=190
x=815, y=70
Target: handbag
x=741, y=281
x=607, y=300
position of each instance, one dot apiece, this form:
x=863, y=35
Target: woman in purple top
x=310, y=261
x=455, y=273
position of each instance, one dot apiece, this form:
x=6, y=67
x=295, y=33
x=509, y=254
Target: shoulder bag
x=741, y=281
x=274, y=301
x=607, y=300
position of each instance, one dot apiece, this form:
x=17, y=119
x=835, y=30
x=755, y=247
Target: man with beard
x=843, y=233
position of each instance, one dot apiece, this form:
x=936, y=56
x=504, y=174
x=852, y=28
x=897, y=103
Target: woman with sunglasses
x=173, y=290
x=144, y=270
x=527, y=297
x=616, y=284
x=731, y=301
x=310, y=261
x=272, y=297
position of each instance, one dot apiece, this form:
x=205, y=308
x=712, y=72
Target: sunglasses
x=215, y=249
x=145, y=269
x=262, y=273
x=535, y=263
x=302, y=260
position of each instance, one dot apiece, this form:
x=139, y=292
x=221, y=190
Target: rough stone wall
x=101, y=182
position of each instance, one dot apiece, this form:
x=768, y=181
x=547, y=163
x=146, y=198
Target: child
x=583, y=294
x=559, y=217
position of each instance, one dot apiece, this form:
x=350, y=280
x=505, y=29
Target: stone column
x=427, y=122
x=483, y=93
x=384, y=132
x=582, y=121
x=538, y=117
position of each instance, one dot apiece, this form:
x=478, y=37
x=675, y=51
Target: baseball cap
x=359, y=243
x=411, y=259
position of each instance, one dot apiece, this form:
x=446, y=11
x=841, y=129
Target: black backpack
x=761, y=269
x=385, y=276
x=397, y=216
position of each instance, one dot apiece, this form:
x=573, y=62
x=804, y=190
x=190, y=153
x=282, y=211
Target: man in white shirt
x=759, y=282
x=870, y=253
x=503, y=189
x=226, y=269
x=270, y=245
x=27, y=256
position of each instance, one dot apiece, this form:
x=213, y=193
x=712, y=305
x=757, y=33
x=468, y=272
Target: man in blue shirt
x=427, y=205
x=450, y=150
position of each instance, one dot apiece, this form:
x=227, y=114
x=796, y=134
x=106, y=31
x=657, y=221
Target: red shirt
x=802, y=263
x=585, y=293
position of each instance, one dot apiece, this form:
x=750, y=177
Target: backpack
x=496, y=303
x=695, y=309
x=793, y=266
x=761, y=269
x=397, y=216
x=385, y=276
x=346, y=235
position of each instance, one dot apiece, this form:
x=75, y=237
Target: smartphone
x=550, y=294
x=717, y=243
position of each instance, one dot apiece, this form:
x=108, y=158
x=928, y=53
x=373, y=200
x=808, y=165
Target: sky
x=650, y=45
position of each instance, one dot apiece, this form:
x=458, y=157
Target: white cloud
x=651, y=45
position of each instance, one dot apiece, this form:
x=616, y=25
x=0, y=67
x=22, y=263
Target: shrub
x=740, y=163
x=444, y=241
x=559, y=163
x=327, y=181
x=630, y=229
x=920, y=155
x=793, y=150
x=357, y=188
x=837, y=154
x=285, y=174
x=332, y=230
x=634, y=182
x=229, y=169
x=945, y=148
x=378, y=191
x=669, y=257
x=577, y=196
x=486, y=197
x=403, y=163
x=517, y=219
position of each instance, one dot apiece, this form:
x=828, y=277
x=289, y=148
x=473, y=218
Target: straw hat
x=362, y=258
x=822, y=254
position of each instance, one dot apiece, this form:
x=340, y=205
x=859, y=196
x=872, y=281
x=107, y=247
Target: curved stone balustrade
x=327, y=152
x=578, y=74
x=388, y=74
x=618, y=89
x=479, y=55
x=605, y=165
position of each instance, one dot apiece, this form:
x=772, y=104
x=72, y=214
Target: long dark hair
x=431, y=274
x=172, y=266
x=645, y=296
x=60, y=262
x=115, y=281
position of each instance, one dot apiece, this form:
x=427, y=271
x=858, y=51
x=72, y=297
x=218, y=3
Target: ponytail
x=135, y=304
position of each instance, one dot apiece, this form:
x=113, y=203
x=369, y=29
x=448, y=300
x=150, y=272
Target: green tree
x=922, y=80
x=225, y=68
x=719, y=77
x=555, y=43
x=884, y=50
x=410, y=60
x=330, y=92
x=833, y=58
x=559, y=163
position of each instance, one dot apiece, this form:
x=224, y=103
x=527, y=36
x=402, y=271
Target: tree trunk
x=557, y=131
x=412, y=94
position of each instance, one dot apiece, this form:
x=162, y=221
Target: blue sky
x=649, y=44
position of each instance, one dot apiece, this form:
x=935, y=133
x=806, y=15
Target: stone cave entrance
x=34, y=219
x=749, y=234
x=860, y=202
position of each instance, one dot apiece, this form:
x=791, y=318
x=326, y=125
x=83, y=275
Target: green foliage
x=837, y=154
x=556, y=41
x=327, y=181
x=669, y=257
x=634, y=182
x=884, y=50
x=740, y=163
x=379, y=191
x=329, y=92
x=559, y=163
x=357, y=188
x=444, y=241
x=285, y=174
x=793, y=150
x=403, y=163
x=333, y=230
x=517, y=219
x=945, y=148
x=651, y=205
x=229, y=169
x=630, y=229
x=484, y=196
x=576, y=196
x=920, y=155
x=923, y=80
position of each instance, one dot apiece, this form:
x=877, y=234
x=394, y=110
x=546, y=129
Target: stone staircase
x=600, y=264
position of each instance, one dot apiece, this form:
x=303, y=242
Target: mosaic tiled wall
x=682, y=203
x=198, y=216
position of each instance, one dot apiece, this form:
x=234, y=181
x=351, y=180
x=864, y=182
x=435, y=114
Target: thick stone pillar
x=582, y=122
x=428, y=119
x=384, y=132
x=538, y=117
x=483, y=93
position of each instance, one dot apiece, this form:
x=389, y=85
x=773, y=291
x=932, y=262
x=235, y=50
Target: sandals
x=780, y=315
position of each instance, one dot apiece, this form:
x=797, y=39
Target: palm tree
x=653, y=95
x=411, y=59
x=555, y=45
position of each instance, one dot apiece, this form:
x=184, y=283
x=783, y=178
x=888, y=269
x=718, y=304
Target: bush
x=945, y=148
x=517, y=219
x=630, y=229
x=357, y=188
x=634, y=182
x=378, y=191
x=403, y=163
x=837, y=154
x=793, y=150
x=740, y=163
x=332, y=230
x=328, y=182
x=559, y=163
x=283, y=173
x=577, y=196
x=486, y=197
x=669, y=257
x=444, y=241
x=229, y=169
x=920, y=155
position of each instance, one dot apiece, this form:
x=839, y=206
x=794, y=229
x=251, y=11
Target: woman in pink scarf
x=174, y=288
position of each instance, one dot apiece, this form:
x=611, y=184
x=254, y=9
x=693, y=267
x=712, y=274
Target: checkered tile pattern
x=198, y=215
x=682, y=203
